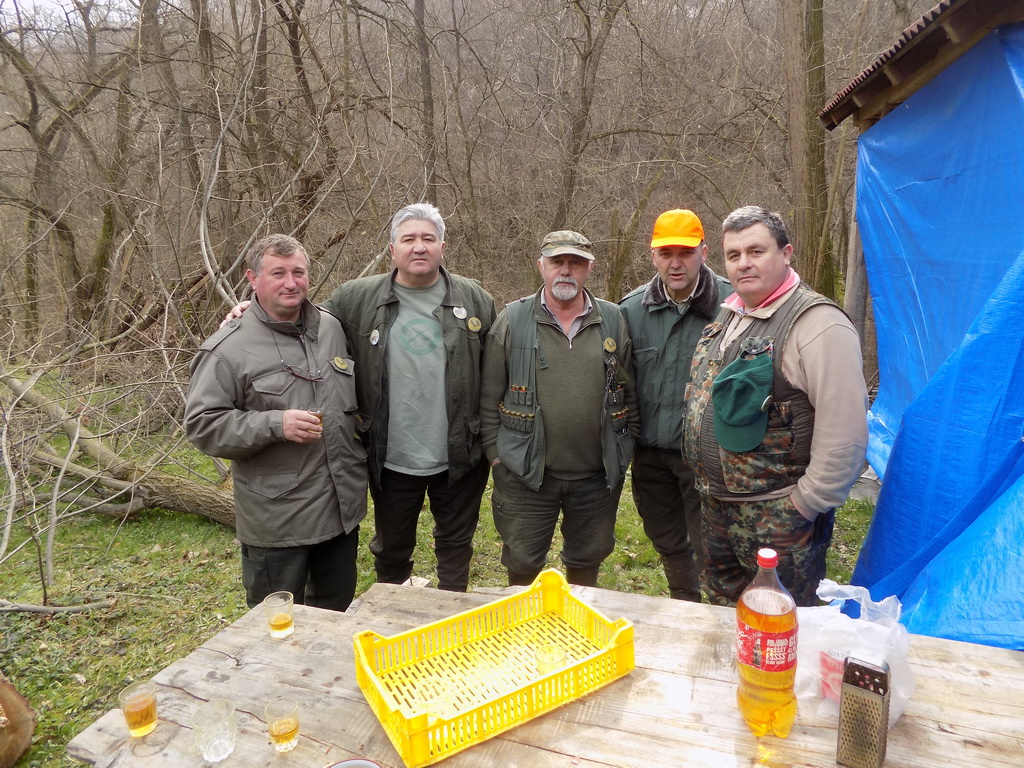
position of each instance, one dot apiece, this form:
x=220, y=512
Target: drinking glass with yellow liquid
x=138, y=703
x=279, y=607
x=283, y=723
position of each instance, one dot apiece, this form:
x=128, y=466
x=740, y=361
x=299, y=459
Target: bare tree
x=143, y=147
x=803, y=31
x=594, y=22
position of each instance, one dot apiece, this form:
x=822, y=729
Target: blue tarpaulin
x=940, y=202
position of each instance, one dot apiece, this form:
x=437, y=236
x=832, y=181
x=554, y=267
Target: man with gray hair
x=418, y=335
x=776, y=416
x=274, y=392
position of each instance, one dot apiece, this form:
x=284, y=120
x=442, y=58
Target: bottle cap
x=767, y=558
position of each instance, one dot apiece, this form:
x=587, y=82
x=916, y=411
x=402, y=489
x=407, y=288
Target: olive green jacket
x=368, y=308
x=663, y=344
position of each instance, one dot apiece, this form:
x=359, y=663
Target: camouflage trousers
x=734, y=531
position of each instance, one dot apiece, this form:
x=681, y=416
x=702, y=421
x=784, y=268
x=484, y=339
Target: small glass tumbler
x=550, y=658
x=280, y=607
x=138, y=703
x=213, y=726
x=283, y=723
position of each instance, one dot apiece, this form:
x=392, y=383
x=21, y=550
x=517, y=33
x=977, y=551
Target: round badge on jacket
x=473, y=324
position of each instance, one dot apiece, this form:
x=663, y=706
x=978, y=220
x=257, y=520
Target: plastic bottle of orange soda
x=766, y=651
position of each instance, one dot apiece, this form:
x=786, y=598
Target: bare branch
x=8, y=607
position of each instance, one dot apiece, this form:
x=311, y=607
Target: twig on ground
x=7, y=606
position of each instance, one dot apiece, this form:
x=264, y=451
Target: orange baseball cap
x=677, y=227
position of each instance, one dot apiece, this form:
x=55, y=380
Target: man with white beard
x=570, y=352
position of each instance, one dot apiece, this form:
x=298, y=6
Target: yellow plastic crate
x=446, y=686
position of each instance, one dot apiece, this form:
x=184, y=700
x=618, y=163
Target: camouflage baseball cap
x=742, y=394
x=566, y=241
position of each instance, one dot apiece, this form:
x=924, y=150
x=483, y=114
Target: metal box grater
x=863, y=714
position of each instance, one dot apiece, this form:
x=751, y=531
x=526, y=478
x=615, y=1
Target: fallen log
x=115, y=483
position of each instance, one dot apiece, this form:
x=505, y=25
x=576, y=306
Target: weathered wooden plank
x=677, y=707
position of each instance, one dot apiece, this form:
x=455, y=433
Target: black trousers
x=668, y=503
x=322, y=575
x=397, y=503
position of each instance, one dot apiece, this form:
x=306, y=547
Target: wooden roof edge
x=932, y=43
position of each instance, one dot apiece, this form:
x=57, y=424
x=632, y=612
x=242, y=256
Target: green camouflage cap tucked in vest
x=742, y=394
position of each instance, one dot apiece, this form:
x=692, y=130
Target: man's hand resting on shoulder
x=235, y=313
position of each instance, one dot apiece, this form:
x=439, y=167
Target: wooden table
x=676, y=709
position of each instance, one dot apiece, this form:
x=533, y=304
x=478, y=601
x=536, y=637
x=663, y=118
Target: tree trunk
x=804, y=53
x=427, y=107
x=855, y=300
x=180, y=495
x=588, y=54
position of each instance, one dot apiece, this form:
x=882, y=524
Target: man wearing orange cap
x=666, y=317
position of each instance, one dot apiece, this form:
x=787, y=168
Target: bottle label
x=768, y=651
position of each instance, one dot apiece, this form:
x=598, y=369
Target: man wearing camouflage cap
x=558, y=417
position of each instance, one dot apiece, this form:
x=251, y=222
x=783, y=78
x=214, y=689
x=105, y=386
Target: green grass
x=852, y=521
x=174, y=581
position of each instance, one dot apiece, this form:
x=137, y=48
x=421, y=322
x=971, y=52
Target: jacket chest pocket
x=276, y=391
x=645, y=363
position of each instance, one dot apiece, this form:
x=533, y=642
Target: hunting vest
x=521, y=427
x=783, y=455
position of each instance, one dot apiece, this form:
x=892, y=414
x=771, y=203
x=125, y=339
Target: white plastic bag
x=827, y=636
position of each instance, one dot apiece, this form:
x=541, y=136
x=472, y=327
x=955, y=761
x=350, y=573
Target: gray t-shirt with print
x=418, y=416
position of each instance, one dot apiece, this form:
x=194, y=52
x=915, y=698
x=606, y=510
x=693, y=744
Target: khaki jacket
x=286, y=494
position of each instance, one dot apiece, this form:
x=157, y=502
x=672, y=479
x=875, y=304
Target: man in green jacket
x=666, y=317
x=558, y=417
x=418, y=337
